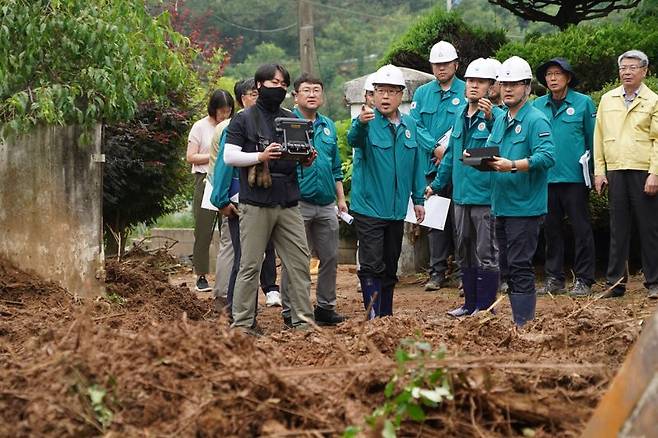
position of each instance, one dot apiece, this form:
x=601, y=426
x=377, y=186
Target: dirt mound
x=140, y=284
x=151, y=359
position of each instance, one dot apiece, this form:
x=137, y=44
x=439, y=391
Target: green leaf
x=390, y=386
x=416, y=413
x=351, y=432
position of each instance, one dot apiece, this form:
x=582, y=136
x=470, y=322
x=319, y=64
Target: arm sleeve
x=542, y=149
x=424, y=138
x=337, y=168
x=221, y=180
x=599, y=155
x=233, y=156
x=444, y=174
x=418, y=184
x=358, y=133
x=653, y=135
x=588, y=125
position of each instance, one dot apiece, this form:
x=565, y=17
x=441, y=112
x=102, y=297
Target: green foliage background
x=81, y=61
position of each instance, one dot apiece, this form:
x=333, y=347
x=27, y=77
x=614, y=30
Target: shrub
x=81, y=61
x=592, y=50
x=412, y=49
x=144, y=172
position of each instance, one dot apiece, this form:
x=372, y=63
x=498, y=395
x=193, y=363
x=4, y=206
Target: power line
x=350, y=11
x=279, y=29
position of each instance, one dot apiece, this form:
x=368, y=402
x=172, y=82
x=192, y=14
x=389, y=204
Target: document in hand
x=584, y=162
x=205, y=201
x=436, y=212
x=445, y=138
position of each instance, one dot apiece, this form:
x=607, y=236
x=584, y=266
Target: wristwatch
x=513, y=169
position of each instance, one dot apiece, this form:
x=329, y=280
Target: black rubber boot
x=523, y=307
x=386, y=303
x=371, y=287
x=486, y=289
x=469, y=283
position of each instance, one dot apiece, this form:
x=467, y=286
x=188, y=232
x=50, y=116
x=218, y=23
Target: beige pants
x=285, y=226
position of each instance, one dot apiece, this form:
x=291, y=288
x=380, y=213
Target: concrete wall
x=51, y=206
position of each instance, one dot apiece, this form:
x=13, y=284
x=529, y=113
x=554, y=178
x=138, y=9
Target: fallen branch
x=598, y=297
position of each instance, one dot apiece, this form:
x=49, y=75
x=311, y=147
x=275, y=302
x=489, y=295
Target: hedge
x=413, y=48
x=592, y=50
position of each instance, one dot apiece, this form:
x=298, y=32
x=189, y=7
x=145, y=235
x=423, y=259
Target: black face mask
x=271, y=98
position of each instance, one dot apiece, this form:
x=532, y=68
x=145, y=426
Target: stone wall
x=51, y=206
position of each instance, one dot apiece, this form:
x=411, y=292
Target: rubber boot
x=469, y=284
x=386, y=304
x=371, y=287
x=523, y=307
x=486, y=289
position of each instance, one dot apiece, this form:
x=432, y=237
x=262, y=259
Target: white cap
x=514, y=69
x=368, y=85
x=481, y=68
x=442, y=51
x=390, y=75
x=495, y=64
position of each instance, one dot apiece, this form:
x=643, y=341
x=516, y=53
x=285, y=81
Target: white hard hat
x=495, y=64
x=390, y=75
x=368, y=85
x=514, y=69
x=442, y=51
x=481, y=68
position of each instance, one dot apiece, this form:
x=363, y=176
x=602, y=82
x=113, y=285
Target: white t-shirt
x=201, y=134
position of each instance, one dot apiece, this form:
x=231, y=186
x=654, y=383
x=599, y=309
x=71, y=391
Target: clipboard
x=480, y=157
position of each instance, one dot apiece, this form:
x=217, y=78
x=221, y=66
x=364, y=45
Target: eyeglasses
x=309, y=91
x=554, y=74
x=631, y=68
x=389, y=91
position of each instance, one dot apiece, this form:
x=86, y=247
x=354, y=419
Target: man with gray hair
x=626, y=162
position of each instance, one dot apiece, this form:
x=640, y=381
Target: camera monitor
x=295, y=137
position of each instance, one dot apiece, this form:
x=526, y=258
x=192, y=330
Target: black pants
x=442, y=243
x=627, y=200
x=380, y=244
x=267, y=270
x=520, y=236
x=570, y=200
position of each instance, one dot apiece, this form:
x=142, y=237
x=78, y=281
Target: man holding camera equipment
x=475, y=230
x=321, y=187
x=388, y=167
x=269, y=202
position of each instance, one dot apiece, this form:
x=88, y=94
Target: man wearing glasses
x=520, y=185
x=388, y=166
x=626, y=162
x=572, y=117
x=434, y=107
x=321, y=187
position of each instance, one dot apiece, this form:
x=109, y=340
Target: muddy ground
x=151, y=358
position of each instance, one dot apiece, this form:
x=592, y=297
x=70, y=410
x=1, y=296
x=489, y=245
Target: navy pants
x=380, y=244
x=518, y=236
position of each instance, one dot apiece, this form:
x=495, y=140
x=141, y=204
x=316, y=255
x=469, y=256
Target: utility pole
x=306, y=38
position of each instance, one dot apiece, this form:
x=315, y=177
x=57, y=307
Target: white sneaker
x=273, y=299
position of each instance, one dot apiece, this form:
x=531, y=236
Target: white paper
x=436, y=212
x=205, y=202
x=584, y=162
x=235, y=198
x=443, y=141
x=346, y=217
